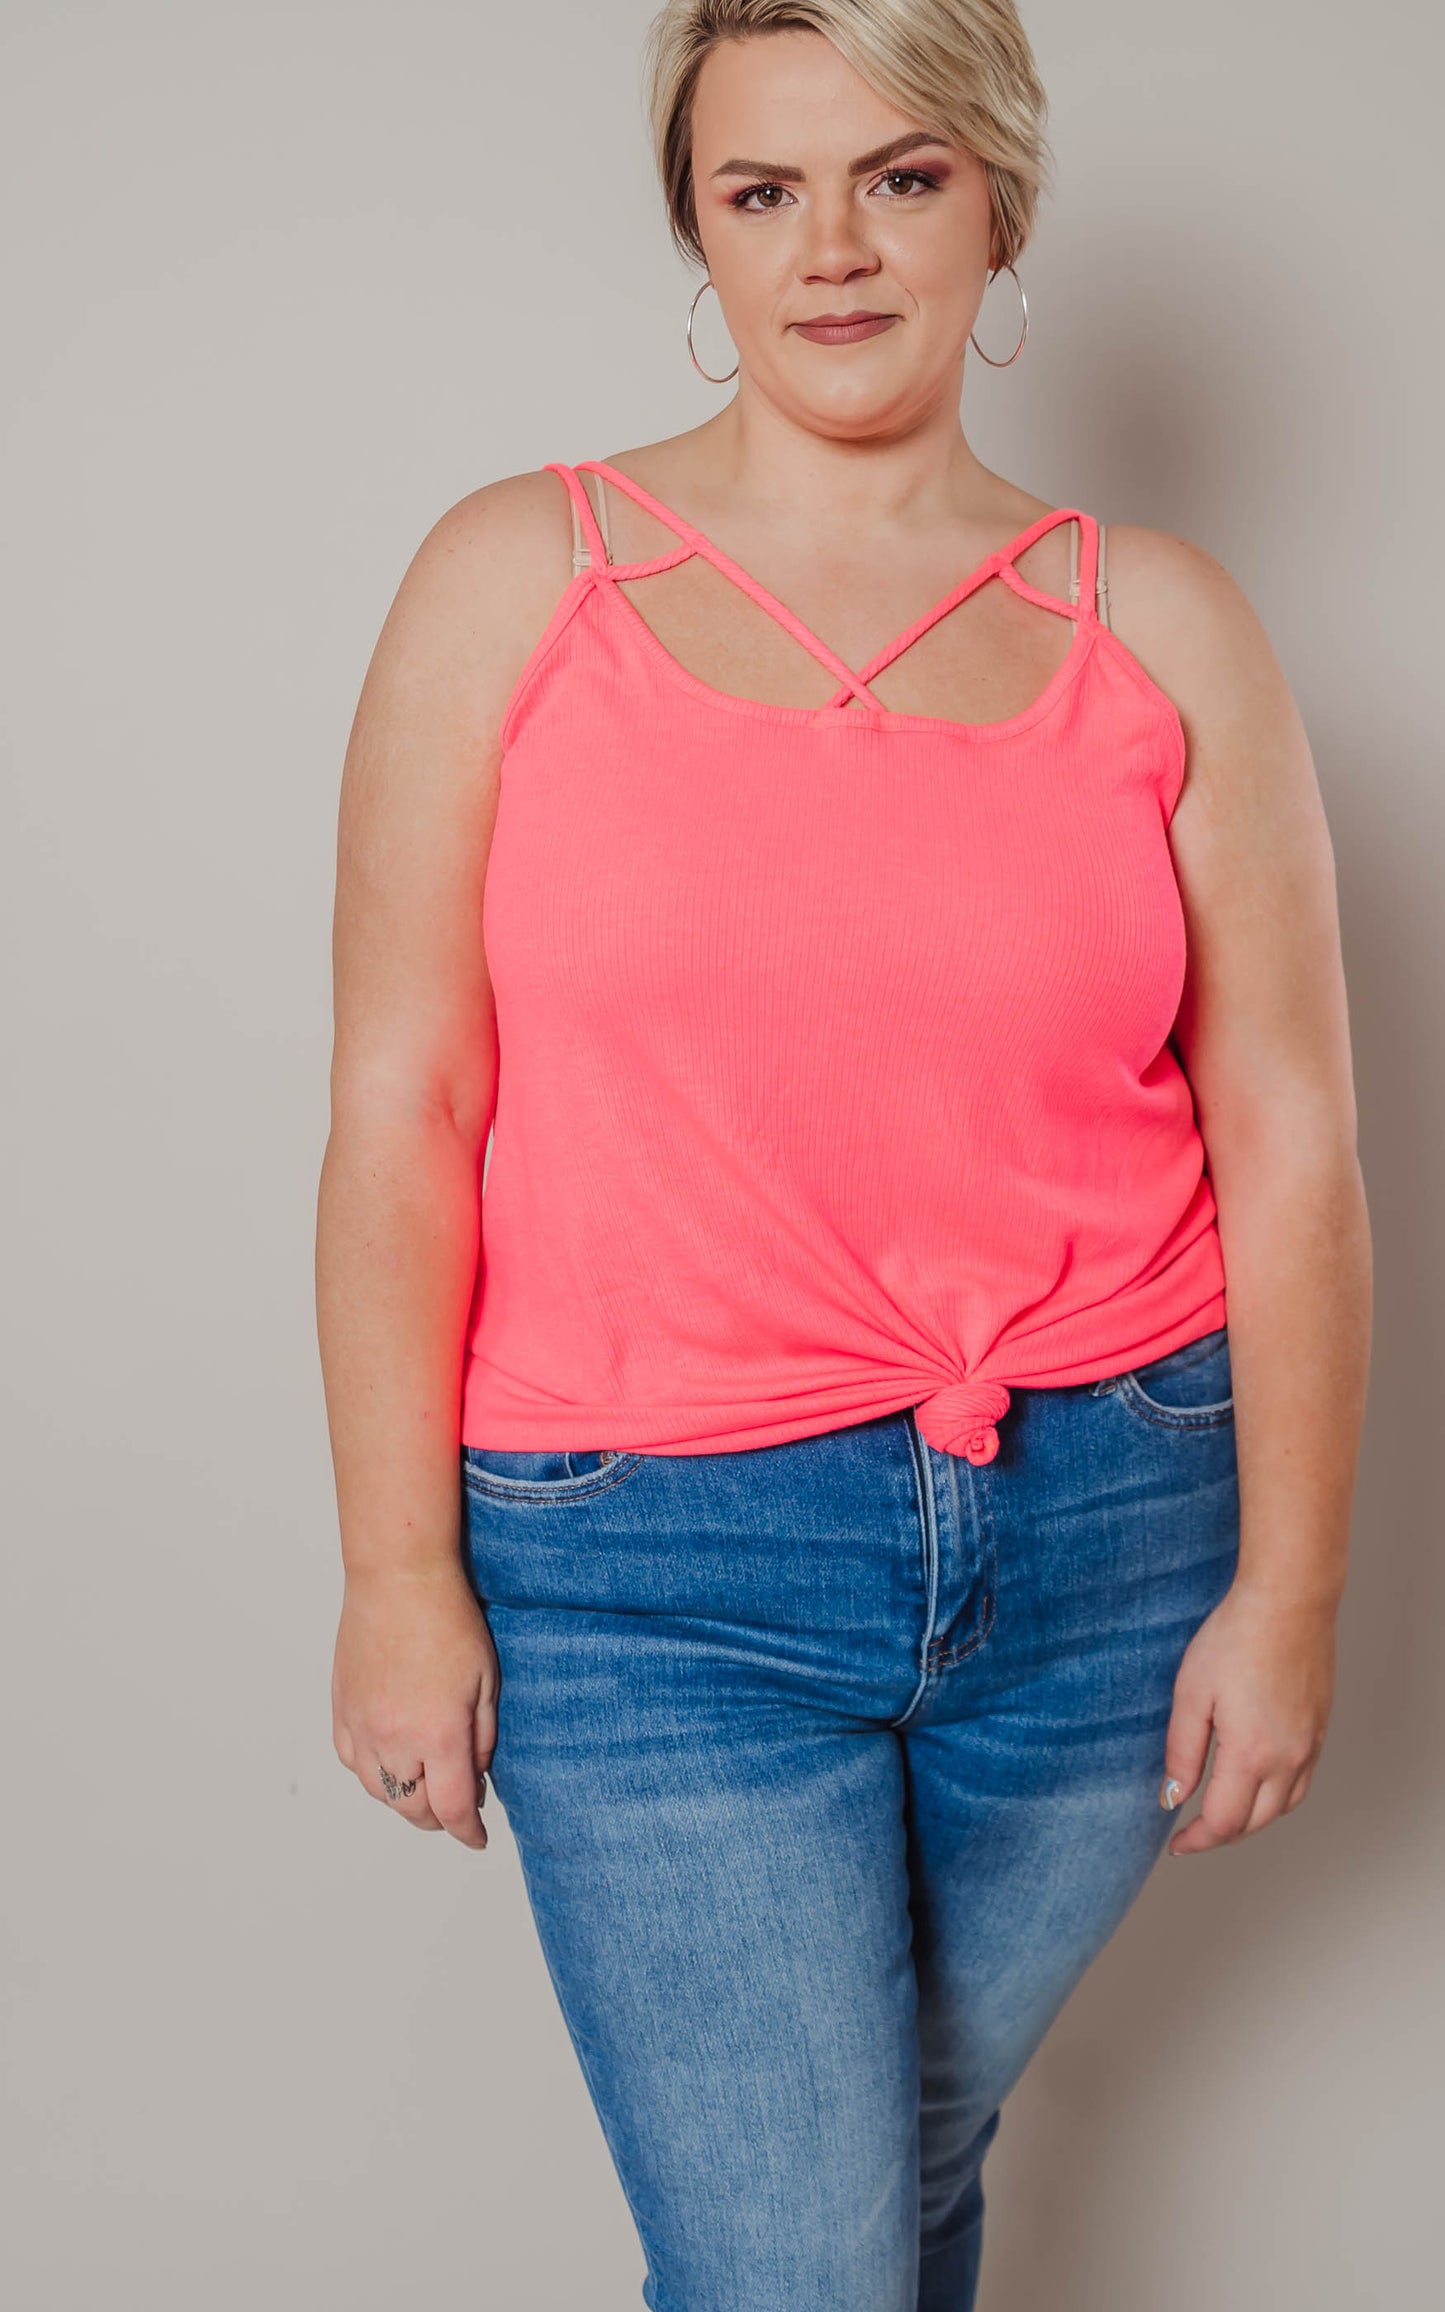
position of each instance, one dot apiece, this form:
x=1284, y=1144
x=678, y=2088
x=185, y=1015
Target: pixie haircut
x=961, y=68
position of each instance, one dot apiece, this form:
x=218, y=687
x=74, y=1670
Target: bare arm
x=413, y=1084
x=1264, y=1035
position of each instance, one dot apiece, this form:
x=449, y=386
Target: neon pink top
x=835, y=1071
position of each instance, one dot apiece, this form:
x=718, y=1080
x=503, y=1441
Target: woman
x=854, y=1557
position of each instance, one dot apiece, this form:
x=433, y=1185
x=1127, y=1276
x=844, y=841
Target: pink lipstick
x=844, y=328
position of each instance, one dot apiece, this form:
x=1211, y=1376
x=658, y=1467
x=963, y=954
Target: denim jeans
x=831, y=1766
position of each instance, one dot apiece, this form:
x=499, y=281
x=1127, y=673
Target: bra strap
x=587, y=538
x=1084, y=593
x=1101, y=588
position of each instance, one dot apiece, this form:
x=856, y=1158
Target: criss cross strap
x=852, y=684
x=591, y=547
x=1084, y=557
x=696, y=541
x=1000, y=564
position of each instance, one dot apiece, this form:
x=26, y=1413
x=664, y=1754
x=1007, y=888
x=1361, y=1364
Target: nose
x=835, y=246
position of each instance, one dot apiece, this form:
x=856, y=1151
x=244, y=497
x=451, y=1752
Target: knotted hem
x=962, y=1418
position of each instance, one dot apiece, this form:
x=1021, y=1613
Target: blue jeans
x=831, y=1766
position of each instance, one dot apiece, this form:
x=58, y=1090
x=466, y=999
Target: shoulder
x=517, y=511
x=1192, y=628
x=1249, y=773
x=1190, y=625
x=502, y=552
x=474, y=600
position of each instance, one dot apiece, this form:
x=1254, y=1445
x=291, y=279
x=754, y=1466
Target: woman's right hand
x=414, y=1690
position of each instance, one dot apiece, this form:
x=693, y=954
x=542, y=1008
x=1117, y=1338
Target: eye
x=906, y=177
x=911, y=176
x=740, y=200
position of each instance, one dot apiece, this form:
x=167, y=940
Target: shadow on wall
x=1229, y=406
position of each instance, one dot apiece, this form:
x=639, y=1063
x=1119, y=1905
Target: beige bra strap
x=1101, y=591
x=581, y=552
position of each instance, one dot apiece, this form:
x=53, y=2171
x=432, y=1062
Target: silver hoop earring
x=697, y=365
x=1018, y=349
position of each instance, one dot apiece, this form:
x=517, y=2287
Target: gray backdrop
x=286, y=281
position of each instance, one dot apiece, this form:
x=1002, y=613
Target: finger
x=413, y=1804
x=455, y=1794
x=484, y=1742
x=1228, y=1802
x=1273, y=1800
x=1186, y=1746
x=1299, y=1787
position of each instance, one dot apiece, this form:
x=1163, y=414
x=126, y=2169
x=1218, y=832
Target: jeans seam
x=1172, y=1416
x=928, y=1527
x=979, y=1493
x=560, y=1491
x=1191, y=1353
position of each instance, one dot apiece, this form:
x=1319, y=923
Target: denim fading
x=831, y=1766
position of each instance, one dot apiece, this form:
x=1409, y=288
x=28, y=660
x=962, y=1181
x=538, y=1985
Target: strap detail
x=997, y=565
x=852, y=684
x=581, y=551
x=696, y=542
x=1084, y=535
x=1101, y=589
x=587, y=539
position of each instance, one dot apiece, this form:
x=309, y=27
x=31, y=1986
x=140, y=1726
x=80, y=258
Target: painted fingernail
x=1171, y=1794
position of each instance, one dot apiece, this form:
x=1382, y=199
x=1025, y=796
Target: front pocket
x=1190, y=1387
x=551, y=1475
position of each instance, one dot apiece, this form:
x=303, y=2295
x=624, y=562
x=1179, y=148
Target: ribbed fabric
x=835, y=1071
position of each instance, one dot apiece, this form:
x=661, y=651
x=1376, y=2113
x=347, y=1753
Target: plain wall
x=285, y=282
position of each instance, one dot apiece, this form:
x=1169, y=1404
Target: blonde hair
x=963, y=68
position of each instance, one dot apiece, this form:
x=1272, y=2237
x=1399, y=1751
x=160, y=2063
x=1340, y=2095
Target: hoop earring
x=1018, y=349
x=697, y=365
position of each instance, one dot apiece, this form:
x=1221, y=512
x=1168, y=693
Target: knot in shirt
x=962, y=1418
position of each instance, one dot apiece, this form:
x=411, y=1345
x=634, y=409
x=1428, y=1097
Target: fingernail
x=1171, y=1794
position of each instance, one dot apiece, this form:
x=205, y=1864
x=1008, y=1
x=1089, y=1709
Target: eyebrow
x=778, y=172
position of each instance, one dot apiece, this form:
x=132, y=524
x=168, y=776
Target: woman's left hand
x=1259, y=1671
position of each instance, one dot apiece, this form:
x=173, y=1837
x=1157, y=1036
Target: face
x=817, y=200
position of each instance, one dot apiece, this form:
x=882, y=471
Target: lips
x=844, y=328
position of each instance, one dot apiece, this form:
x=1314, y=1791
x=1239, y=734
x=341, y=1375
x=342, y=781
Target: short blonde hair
x=963, y=68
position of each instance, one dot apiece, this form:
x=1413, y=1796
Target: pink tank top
x=835, y=1072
